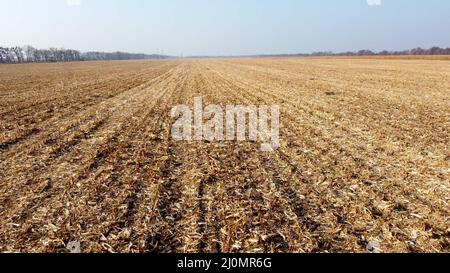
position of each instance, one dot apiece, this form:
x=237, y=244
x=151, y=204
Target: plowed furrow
x=86, y=155
x=123, y=157
x=296, y=118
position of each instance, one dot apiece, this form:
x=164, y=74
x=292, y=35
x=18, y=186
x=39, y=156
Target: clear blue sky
x=225, y=27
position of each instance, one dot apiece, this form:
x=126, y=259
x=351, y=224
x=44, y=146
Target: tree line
x=29, y=54
x=415, y=51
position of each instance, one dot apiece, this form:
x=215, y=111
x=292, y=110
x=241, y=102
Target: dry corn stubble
x=88, y=165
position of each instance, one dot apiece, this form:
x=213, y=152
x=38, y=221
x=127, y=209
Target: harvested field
x=86, y=156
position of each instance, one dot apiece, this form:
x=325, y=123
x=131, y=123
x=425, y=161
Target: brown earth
x=86, y=156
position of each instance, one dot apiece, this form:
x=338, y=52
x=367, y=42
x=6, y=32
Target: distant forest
x=416, y=51
x=29, y=54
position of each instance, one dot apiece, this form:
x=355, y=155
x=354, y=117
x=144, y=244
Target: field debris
x=87, y=162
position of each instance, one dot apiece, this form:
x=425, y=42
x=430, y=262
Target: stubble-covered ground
x=86, y=156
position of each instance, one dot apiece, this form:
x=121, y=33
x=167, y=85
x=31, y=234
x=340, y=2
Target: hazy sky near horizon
x=225, y=27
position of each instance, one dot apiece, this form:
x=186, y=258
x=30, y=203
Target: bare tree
x=11, y=56
x=417, y=51
x=19, y=54
x=3, y=55
x=30, y=53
